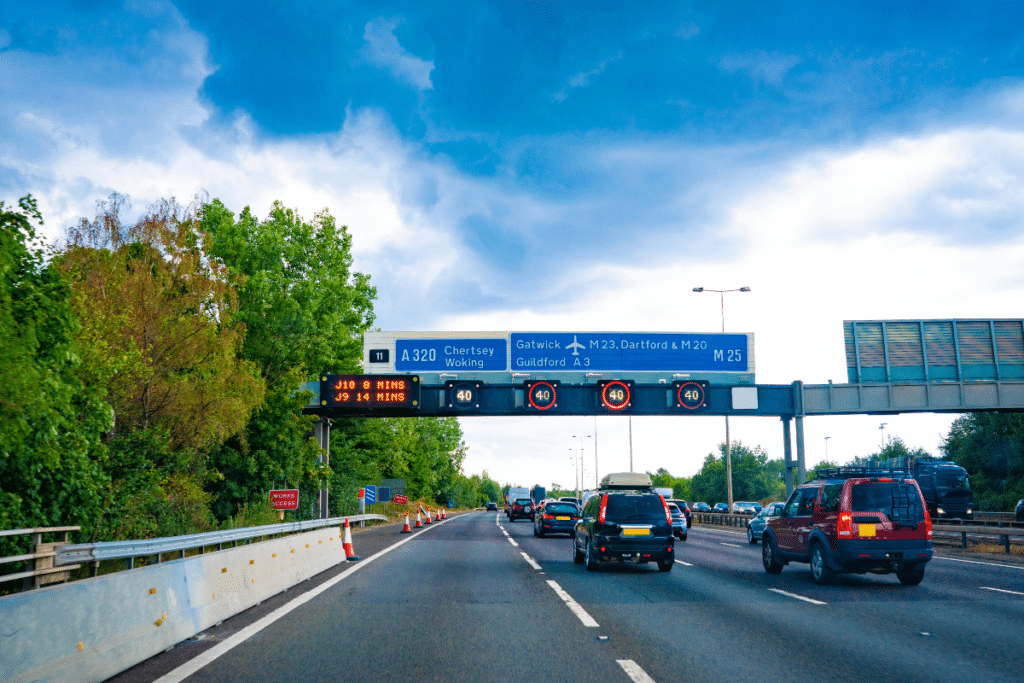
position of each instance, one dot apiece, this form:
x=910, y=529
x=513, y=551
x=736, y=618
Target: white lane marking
x=513, y=542
x=798, y=597
x=573, y=605
x=633, y=670
x=731, y=545
x=684, y=563
x=530, y=560
x=990, y=564
x=1001, y=590
x=194, y=665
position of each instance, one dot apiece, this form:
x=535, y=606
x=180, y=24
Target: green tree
x=990, y=446
x=305, y=310
x=51, y=422
x=754, y=476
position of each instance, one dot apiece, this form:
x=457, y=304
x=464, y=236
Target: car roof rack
x=626, y=480
x=867, y=471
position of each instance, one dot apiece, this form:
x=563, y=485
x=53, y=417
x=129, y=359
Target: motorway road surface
x=475, y=598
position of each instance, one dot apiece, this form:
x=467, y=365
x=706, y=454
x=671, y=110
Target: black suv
x=625, y=522
x=1019, y=511
x=521, y=507
x=853, y=519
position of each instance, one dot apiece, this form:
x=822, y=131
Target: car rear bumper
x=558, y=526
x=880, y=555
x=647, y=550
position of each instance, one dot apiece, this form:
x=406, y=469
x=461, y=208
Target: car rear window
x=626, y=508
x=560, y=509
x=524, y=501
x=894, y=500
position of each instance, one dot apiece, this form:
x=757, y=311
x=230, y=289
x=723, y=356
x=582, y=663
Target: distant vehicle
x=569, y=499
x=521, y=507
x=537, y=494
x=555, y=517
x=491, y=505
x=664, y=493
x=946, y=486
x=755, y=527
x=681, y=504
x=701, y=507
x=852, y=519
x=625, y=522
x=721, y=507
x=1020, y=510
x=514, y=493
x=679, y=527
x=742, y=507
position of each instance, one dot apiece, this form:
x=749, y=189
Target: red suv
x=521, y=507
x=853, y=519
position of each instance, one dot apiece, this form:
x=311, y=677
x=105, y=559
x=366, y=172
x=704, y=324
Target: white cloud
x=582, y=79
x=382, y=49
x=761, y=66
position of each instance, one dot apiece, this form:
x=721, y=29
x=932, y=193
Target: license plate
x=564, y=519
x=636, y=532
x=866, y=530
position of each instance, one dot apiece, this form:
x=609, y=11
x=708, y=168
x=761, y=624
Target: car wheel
x=911, y=574
x=750, y=536
x=769, y=557
x=822, y=573
x=577, y=556
x=665, y=565
x=540, y=532
x=590, y=561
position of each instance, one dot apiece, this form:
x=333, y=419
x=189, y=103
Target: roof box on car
x=626, y=480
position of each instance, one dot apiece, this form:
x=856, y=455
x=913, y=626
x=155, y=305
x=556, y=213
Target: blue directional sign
x=450, y=355
x=628, y=351
x=371, y=494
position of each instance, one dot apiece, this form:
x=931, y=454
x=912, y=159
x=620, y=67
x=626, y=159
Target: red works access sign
x=400, y=499
x=285, y=499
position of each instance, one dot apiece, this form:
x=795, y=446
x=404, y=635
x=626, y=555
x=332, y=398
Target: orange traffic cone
x=427, y=520
x=443, y=515
x=346, y=543
x=419, y=522
x=406, y=529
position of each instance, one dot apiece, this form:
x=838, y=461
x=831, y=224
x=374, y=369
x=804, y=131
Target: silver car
x=755, y=527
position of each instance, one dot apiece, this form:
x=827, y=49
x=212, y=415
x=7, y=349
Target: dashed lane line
x=687, y=564
x=633, y=670
x=1001, y=590
x=512, y=541
x=573, y=605
x=731, y=545
x=530, y=560
x=990, y=564
x=798, y=597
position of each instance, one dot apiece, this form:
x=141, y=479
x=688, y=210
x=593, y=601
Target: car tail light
x=604, y=509
x=668, y=513
x=547, y=516
x=844, y=525
x=928, y=524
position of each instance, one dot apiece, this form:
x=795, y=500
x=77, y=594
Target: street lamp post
x=881, y=428
x=585, y=436
x=826, y=447
x=728, y=443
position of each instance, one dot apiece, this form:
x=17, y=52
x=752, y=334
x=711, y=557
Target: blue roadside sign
x=371, y=494
x=619, y=351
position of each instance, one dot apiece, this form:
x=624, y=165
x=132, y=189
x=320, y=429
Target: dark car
x=721, y=507
x=701, y=507
x=853, y=519
x=625, y=522
x=679, y=528
x=755, y=527
x=491, y=505
x=685, y=509
x=521, y=508
x=555, y=517
x=1020, y=510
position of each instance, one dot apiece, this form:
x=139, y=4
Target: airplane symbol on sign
x=575, y=346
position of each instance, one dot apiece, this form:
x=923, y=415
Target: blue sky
x=558, y=166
